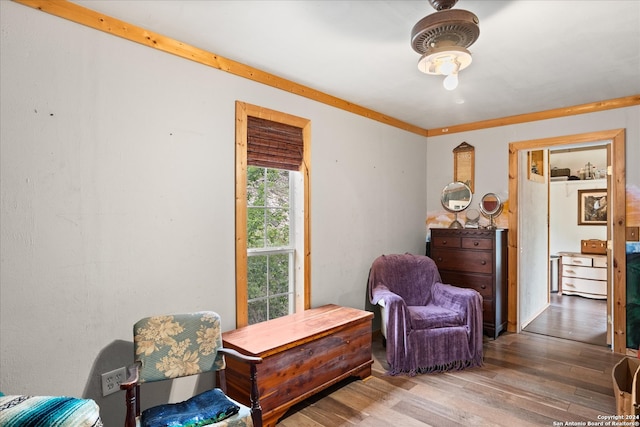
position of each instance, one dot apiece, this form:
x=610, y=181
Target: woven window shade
x=273, y=145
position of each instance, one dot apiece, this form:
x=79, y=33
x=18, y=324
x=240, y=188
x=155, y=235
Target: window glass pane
x=255, y=228
x=257, y=276
x=257, y=311
x=278, y=188
x=255, y=186
x=278, y=274
x=278, y=306
x=269, y=287
x=277, y=227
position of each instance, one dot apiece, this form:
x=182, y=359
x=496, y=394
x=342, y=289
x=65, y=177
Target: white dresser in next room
x=583, y=274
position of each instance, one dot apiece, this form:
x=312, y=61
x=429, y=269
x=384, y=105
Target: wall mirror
x=455, y=198
x=491, y=206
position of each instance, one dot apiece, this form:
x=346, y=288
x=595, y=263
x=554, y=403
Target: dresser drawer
x=577, y=260
x=600, y=261
x=584, y=272
x=473, y=243
x=481, y=283
x=446, y=242
x=471, y=261
x=572, y=284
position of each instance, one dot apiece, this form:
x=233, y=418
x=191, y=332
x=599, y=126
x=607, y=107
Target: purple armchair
x=428, y=326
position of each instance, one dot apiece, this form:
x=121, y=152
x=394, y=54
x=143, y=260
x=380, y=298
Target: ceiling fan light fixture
x=445, y=60
x=451, y=81
x=449, y=67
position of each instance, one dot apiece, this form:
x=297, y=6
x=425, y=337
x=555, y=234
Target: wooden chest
x=303, y=354
x=476, y=258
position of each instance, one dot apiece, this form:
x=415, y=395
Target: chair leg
x=133, y=406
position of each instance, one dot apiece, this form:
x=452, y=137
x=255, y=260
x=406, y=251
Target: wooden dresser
x=476, y=258
x=583, y=274
x=302, y=353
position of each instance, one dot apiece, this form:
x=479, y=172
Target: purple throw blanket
x=431, y=327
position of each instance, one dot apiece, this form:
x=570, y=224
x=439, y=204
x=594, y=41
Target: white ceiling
x=532, y=55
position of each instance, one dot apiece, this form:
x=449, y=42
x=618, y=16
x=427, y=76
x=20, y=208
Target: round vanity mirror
x=455, y=198
x=491, y=206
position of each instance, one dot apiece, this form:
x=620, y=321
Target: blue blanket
x=204, y=409
x=48, y=411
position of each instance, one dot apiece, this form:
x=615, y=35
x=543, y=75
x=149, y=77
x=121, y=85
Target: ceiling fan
x=442, y=38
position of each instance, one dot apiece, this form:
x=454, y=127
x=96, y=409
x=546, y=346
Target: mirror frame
x=491, y=213
x=444, y=202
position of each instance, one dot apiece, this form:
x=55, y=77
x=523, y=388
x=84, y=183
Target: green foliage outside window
x=268, y=227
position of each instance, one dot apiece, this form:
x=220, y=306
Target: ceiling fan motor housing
x=442, y=4
x=450, y=27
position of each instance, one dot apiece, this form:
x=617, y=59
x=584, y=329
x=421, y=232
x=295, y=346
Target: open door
x=533, y=239
x=579, y=310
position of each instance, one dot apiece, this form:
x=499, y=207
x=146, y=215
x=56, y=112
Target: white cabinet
x=584, y=275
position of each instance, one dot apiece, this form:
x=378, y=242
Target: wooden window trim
x=243, y=111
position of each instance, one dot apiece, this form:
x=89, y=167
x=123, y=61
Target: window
x=270, y=243
x=272, y=214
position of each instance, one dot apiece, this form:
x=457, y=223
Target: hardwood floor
x=574, y=318
x=527, y=380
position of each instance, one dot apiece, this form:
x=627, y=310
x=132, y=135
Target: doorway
x=519, y=288
x=575, y=297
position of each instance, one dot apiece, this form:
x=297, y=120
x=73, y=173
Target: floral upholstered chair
x=180, y=345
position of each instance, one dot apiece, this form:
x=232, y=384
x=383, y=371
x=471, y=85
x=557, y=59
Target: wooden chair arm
x=132, y=379
x=243, y=357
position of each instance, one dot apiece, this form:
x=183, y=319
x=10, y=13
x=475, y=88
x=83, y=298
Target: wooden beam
x=592, y=107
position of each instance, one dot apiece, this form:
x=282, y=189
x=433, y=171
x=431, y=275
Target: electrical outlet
x=111, y=380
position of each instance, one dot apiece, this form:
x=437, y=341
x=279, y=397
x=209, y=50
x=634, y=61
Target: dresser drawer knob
x=484, y=262
x=444, y=242
x=483, y=287
x=475, y=243
x=439, y=259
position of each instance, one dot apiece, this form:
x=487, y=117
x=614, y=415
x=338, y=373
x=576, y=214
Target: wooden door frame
x=617, y=225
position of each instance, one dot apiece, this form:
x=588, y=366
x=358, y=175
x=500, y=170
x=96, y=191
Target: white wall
x=492, y=149
x=565, y=233
x=117, y=192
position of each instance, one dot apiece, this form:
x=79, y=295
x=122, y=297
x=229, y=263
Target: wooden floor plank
x=527, y=380
x=573, y=317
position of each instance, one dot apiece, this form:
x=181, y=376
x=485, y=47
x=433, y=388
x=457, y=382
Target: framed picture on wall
x=537, y=170
x=592, y=207
x=464, y=159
